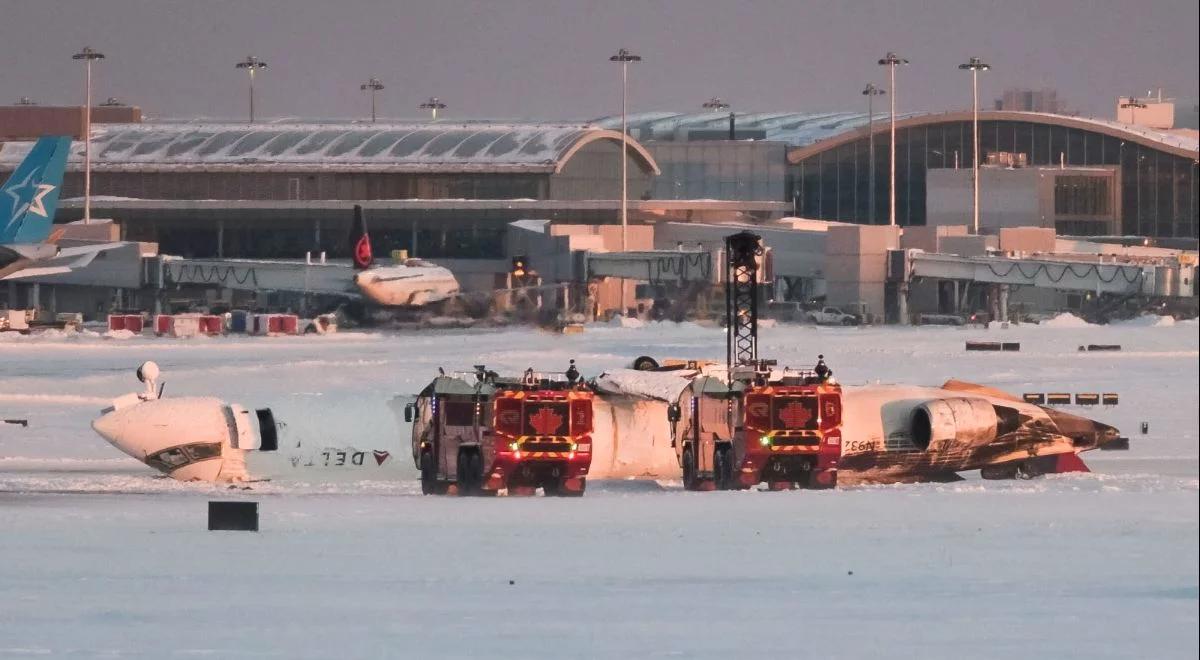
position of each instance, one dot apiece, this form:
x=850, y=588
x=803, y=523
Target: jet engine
x=968, y=421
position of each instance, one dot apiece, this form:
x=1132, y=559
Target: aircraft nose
x=106, y=425
x=114, y=427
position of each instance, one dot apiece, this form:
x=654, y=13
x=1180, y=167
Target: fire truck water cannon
x=478, y=433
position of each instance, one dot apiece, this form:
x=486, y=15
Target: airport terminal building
x=1106, y=177
x=449, y=188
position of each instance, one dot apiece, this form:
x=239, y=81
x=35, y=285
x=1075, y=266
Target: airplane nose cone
x=106, y=426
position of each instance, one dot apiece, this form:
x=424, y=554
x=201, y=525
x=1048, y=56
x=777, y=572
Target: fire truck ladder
x=741, y=299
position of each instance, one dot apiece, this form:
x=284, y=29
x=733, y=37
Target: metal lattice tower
x=741, y=298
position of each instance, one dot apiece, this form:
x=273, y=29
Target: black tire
x=690, y=482
x=847, y=321
x=429, y=485
x=723, y=467
x=469, y=473
x=556, y=489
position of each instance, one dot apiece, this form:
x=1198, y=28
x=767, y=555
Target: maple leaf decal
x=545, y=421
x=795, y=415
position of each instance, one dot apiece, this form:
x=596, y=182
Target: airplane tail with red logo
x=360, y=241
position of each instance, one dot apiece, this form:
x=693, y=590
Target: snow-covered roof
x=418, y=146
x=804, y=129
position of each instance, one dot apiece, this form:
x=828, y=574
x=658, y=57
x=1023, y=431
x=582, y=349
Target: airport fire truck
x=478, y=433
x=752, y=422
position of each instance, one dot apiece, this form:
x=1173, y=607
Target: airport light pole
x=433, y=105
x=374, y=85
x=715, y=104
x=871, y=91
x=975, y=65
x=891, y=61
x=624, y=57
x=88, y=55
x=251, y=64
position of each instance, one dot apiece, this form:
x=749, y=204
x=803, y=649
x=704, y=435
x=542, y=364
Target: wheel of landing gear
x=428, y=474
x=690, y=482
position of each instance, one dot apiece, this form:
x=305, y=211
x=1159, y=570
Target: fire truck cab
x=478, y=433
x=758, y=424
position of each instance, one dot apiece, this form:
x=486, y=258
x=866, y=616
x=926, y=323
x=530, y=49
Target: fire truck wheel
x=470, y=472
x=558, y=489
x=723, y=467
x=428, y=474
x=690, y=482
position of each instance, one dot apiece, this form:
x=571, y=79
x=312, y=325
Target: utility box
x=233, y=516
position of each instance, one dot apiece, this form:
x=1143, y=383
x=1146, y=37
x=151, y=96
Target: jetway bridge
x=254, y=275
x=652, y=266
x=1097, y=276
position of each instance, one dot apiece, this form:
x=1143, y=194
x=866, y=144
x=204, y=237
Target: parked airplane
x=28, y=200
x=412, y=283
x=28, y=247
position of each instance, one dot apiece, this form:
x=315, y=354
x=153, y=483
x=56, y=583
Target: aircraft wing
x=65, y=261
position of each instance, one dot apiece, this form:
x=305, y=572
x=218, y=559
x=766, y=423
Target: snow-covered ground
x=101, y=557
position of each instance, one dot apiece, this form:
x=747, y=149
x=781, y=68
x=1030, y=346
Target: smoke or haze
x=549, y=58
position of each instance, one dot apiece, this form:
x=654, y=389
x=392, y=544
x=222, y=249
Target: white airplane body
x=890, y=434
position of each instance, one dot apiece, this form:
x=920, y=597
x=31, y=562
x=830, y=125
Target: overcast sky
x=542, y=59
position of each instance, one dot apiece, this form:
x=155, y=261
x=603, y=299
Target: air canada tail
x=29, y=198
x=360, y=241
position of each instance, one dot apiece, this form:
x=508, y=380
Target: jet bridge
x=1093, y=276
x=1150, y=278
x=653, y=266
x=255, y=275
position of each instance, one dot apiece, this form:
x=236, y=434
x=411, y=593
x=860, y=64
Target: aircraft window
x=460, y=413
x=172, y=458
x=204, y=450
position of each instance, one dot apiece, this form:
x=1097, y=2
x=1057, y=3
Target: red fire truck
x=479, y=433
x=751, y=422
x=759, y=425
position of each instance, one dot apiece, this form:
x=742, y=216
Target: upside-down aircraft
x=889, y=434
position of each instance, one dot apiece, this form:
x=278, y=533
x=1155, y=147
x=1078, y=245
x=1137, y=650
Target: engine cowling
x=956, y=420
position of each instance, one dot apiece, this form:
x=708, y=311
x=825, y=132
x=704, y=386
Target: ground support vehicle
x=478, y=434
x=777, y=427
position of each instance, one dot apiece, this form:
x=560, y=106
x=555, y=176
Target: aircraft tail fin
x=29, y=199
x=360, y=241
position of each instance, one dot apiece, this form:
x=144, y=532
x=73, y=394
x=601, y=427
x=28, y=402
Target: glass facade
x=741, y=170
x=1158, y=195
